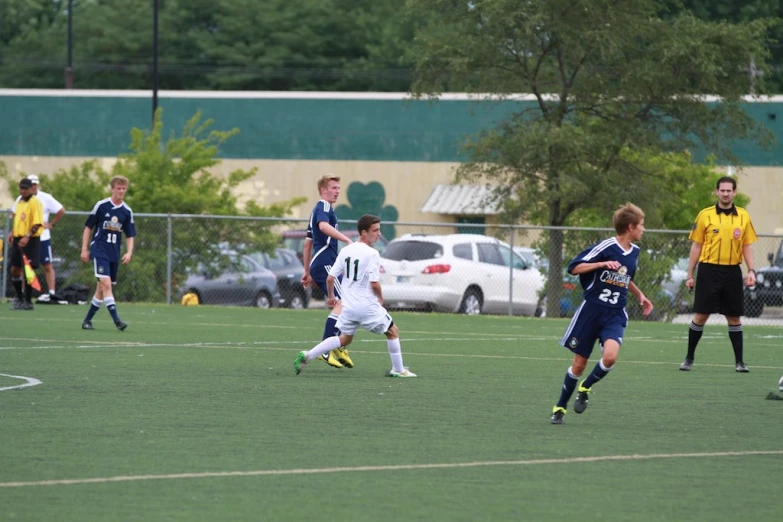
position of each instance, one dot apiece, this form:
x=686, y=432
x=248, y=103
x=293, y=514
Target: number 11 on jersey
x=348, y=268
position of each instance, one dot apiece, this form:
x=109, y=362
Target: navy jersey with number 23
x=605, y=287
x=108, y=222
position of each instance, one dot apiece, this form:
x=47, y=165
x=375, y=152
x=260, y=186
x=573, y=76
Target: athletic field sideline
x=194, y=413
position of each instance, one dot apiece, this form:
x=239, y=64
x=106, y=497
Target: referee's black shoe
x=740, y=367
x=686, y=365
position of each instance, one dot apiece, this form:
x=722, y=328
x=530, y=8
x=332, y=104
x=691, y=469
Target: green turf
x=200, y=392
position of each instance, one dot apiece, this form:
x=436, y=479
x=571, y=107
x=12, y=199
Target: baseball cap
x=25, y=184
x=33, y=179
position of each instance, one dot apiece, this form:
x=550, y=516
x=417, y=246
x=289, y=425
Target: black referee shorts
x=719, y=290
x=32, y=250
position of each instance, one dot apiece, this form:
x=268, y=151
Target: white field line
x=464, y=337
x=399, y=467
x=274, y=346
x=29, y=381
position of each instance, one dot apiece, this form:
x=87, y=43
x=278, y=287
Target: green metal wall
x=284, y=128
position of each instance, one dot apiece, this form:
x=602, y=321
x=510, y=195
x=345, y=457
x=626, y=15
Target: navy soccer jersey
x=324, y=247
x=607, y=287
x=108, y=223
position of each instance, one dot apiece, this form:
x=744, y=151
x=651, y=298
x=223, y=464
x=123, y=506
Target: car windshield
x=412, y=251
x=294, y=243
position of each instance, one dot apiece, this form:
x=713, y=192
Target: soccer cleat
x=17, y=305
x=120, y=325
x=558, y=415
x=580, y=404
x=686, y=365
x=740, y=367
x=26, y=306
x=87, y=325
x=404, y=374
x=44, y=298
x=301, y=360
x=332, y=360
x=343, y=357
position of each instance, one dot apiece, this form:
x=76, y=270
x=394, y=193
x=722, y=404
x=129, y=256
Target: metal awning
x=460, y=199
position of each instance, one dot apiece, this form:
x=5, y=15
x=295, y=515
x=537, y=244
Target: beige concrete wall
x=407, y=184
x=764, y=185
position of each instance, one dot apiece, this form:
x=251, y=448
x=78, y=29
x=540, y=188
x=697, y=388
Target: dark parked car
x=769, y=286
x=243, y=283
x=289, y=270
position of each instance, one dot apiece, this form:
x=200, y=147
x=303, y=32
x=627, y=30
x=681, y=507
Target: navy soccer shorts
x=593, y=323
x=105, y=268
x=319, y=275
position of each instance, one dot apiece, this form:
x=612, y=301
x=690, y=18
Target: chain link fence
x=464, y=268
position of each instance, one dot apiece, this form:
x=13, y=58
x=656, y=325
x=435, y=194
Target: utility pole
x=69, y=66
x=754, y=72
x=154, y=59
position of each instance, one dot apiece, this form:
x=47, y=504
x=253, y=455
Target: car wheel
x=262, y=300
x=472, y=302
x=297, y=300
x=753, y=307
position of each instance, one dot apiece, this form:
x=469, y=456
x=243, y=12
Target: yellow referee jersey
x=27, y=214
x=722, y=234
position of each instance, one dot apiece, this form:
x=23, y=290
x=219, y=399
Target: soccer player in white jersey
x=50, y=206
x=359, y=265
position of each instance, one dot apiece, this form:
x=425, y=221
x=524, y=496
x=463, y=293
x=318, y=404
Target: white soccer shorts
x=376, y=321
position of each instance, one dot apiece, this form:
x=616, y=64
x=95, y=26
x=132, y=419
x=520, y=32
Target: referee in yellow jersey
x=722, y=236
x=26, y=235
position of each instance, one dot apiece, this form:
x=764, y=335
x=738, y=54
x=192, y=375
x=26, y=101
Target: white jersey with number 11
x=360, y=265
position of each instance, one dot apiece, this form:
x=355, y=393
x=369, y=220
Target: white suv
x=465, y=273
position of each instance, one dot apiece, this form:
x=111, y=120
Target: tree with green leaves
x=738, y=11
x=614, y=89
x=171, y=175
x=349, y=45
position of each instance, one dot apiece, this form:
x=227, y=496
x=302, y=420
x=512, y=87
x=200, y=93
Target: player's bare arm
x=126, y=257
x=26, y=238
x=332, y=232
x=307, y=253
x=583, y=268
x=647, y=305
x=747, y=255
x=693, y=258
x=330, y=299
x=55, y=219
x=85, y=256
x=375, y=286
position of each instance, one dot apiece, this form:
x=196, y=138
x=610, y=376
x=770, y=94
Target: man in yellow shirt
x=26, y=239
x=722, y=236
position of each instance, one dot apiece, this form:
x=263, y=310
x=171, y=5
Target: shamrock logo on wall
x=369, y=199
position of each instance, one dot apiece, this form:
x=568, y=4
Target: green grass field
x=195, y=414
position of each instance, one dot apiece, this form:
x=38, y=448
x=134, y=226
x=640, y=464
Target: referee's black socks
x=735, y=334
x=694, y=335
